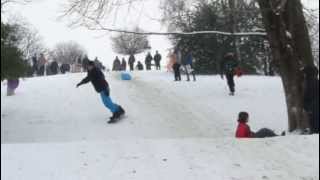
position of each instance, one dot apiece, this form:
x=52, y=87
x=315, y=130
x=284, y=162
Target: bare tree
x=95, y=15
x=67, y=52
x=4, y=3
x=30, y=40
x=128, y=44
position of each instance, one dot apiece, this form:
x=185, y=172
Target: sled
x=126, y=77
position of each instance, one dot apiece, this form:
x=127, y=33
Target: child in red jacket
x=244, y=131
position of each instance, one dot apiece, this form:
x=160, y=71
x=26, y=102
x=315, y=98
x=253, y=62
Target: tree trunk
x=291, y=49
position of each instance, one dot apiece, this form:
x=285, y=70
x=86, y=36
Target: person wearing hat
x=227, y=67
x=311, y=97
x=97, y=78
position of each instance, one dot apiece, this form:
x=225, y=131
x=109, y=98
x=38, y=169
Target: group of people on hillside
x=41, y=66
x=122, y=65
x=178, y=59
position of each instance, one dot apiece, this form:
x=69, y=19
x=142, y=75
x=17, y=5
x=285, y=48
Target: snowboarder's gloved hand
x=78, y=85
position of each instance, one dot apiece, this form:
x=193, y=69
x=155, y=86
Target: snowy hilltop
x=173, y=130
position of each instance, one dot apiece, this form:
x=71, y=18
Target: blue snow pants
x=108, y=102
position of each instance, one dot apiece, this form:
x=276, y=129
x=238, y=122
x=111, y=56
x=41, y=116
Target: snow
x=289, y=35
x=185, y=130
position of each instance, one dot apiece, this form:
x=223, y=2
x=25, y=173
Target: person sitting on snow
x=140, y=66
x=244, y=131
x=97, y=78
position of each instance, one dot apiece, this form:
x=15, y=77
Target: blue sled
x=126, y=77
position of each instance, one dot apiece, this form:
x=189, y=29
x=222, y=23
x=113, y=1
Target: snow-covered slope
x=185, y=130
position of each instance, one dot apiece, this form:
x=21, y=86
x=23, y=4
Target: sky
x=42, y=14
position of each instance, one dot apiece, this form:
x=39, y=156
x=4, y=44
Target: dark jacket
x=54, y=67
x=228, y=65
x=132, y=59
x=157, y=58
x=148, y=59
x=97, y=78
x=140, y=66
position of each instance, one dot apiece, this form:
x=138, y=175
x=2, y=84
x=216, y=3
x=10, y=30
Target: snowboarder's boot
x=117, y=115
x=231, y=93
x=121, y=112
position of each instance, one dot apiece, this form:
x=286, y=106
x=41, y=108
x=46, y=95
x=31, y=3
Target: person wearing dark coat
x=12, y=85
x=188, y=61
x=123, y=65
x=140, y=66
x=34, y=64
x=311, y=97
x=97, y=78
x=54, y=67
x=148, y=61
x=65, y=68
x=85, y=62
x=131, y=62
x=116, y=64
x=228, y=67
x=157, y=59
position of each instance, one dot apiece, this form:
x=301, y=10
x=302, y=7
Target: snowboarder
x=140, y=66
x=157, y=59
x=188, y=66
x=227, y=67
x=123, y=65
x=148, y=61
x=116, y=64
x=311, y=97
x=97, y=78
x=244, y=131
x=131, y=62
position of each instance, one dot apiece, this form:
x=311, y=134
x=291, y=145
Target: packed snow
x=50, y=130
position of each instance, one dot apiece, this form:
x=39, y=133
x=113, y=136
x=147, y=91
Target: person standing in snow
x=244, y=131
x=12, y=85
x=97, y=78
x=175, y=59
x=41, y=65
x=188, y=66
x=148, y=61
x=311, y=97
x=228, y=67
x=116, y=64
x=157, y=59
x=123, y=65
x=34, y=64
x=54, y=68
x=85, y=62
x=131, y=62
